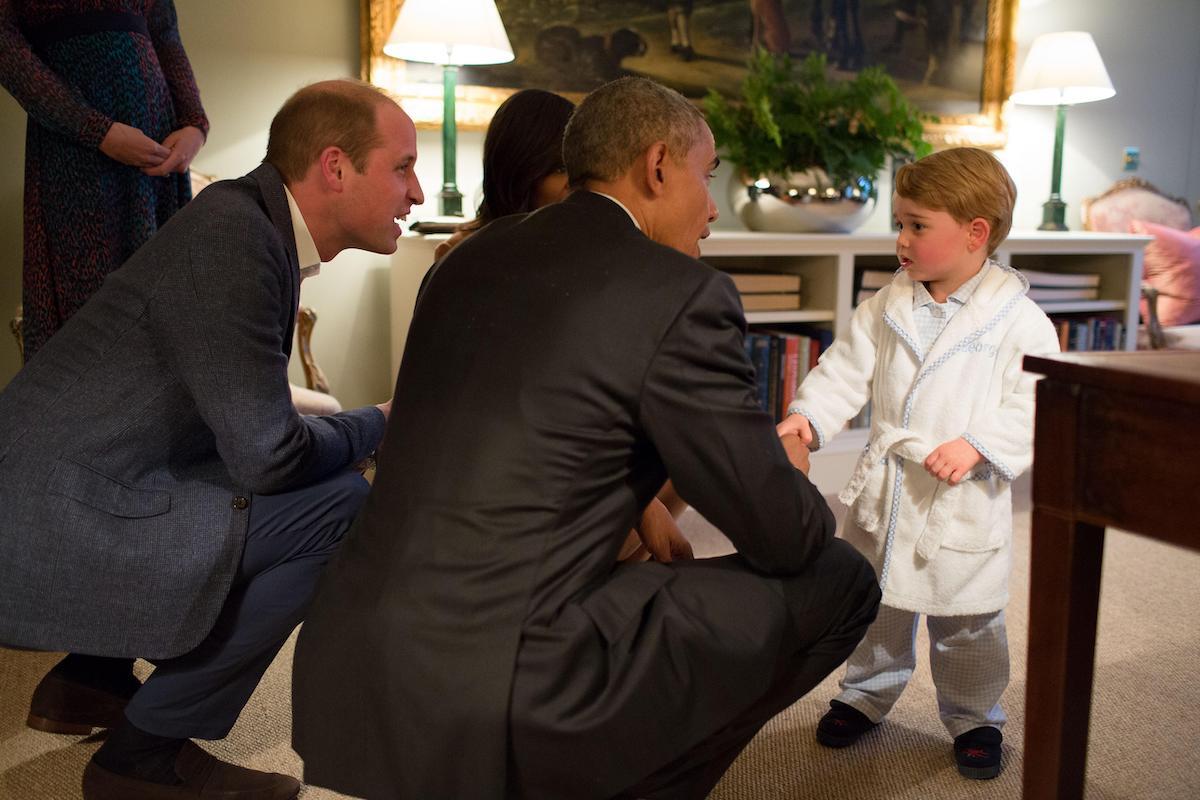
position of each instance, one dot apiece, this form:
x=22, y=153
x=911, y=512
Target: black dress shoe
x=202, y=777
x=842, y=725
x=62, y=703
x=977, y=753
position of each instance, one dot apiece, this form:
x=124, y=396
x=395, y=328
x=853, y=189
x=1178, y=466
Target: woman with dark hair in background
x=114, y=122
x=522, y=160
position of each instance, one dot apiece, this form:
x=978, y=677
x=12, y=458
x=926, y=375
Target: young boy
x=938, y=354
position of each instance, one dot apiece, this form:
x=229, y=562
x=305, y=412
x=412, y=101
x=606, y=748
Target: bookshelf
x=827, y=264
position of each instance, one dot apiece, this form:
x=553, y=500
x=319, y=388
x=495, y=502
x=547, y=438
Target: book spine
x=791, y=372
x=762, y=366
x=775, y=359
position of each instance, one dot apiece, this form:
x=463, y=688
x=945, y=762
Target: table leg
x=1064, y=596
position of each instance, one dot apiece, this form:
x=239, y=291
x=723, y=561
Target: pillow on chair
x=1172, y=266
x=1134, y=199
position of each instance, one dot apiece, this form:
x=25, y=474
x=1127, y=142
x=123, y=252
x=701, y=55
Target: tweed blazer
x=558, y=366
x=132, y=444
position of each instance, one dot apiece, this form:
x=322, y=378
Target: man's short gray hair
x=616, y=123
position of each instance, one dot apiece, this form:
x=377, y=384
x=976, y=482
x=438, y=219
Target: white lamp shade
x=449, y=32
x=1062, y=69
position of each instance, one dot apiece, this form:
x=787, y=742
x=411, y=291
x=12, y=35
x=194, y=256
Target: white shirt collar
x=306, y=248
x=961, y=295
x=623, y=208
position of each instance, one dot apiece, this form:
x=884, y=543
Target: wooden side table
x=1116, y=441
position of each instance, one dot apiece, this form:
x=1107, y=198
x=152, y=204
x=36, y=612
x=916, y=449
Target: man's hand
x=796, y=424
x=952, y=461
x=369, y=462
x=130, y=146
x=797, y=451
x=184, y=144
x=660, y=538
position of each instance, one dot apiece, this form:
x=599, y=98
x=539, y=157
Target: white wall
x=12, y=173
x=1149, y=49
x=249, y=56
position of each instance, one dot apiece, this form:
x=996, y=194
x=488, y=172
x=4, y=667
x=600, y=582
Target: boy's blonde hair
x=966, y=183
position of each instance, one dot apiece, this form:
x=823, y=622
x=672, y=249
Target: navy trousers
x=291, y=537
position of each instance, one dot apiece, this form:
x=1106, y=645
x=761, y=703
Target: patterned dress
x=85, y=213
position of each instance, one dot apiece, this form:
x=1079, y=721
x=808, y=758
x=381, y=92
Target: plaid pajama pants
x=968, y=656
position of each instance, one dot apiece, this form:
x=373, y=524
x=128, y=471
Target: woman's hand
x=183, y=145
x=130, y=146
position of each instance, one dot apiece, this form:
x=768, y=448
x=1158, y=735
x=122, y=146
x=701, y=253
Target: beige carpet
x=1142, y=724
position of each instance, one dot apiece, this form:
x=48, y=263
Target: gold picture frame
x=984, y=127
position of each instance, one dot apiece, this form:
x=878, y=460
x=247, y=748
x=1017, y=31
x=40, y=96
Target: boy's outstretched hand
x=953, y=461
x=797, y=424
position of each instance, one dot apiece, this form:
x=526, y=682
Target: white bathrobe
x=939, y=549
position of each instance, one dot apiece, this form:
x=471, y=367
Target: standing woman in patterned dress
x=114, y=122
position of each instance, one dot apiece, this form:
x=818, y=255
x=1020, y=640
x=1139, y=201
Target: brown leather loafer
x=61, y=705
x=204, y=777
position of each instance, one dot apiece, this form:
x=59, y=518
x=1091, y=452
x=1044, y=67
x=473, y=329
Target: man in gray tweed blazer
x=160, y=497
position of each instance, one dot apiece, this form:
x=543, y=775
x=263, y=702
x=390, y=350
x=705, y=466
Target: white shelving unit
x=826, y=264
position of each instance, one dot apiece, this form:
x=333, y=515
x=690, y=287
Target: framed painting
x=953, y=58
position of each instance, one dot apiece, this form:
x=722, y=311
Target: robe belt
x=888, y=440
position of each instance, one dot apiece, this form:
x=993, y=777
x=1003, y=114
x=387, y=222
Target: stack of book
x=871, y=281
x=1044, y=287
x=781, y=360
x=768, y=291
x=1051, y=287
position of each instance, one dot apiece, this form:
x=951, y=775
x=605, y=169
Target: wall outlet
x=1132, y=159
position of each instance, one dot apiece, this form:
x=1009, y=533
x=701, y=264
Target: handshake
x=795, y=435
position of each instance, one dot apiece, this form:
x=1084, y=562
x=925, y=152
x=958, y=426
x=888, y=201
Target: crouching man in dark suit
x=475, y=638
x=159, y=495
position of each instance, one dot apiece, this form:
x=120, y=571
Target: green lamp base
x=450, y=201
x=1054, y=215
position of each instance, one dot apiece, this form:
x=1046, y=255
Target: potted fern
x=809, y=148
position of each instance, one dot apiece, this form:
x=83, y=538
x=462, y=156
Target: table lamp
x=450, y=33
x=1062, y=69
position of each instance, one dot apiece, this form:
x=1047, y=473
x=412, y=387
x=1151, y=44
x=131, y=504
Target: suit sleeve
x=222, y=326
x=722, y=452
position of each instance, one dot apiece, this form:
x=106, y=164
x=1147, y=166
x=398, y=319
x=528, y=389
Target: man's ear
x=978, y=231
x=654, y=162
x=333, y=164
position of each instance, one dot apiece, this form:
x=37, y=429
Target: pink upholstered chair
x=1171, y=275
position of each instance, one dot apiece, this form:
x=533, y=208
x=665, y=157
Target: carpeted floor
x=1142, y=734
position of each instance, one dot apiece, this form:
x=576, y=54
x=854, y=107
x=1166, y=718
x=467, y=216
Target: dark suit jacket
x=558, y=367
x=132, y=443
